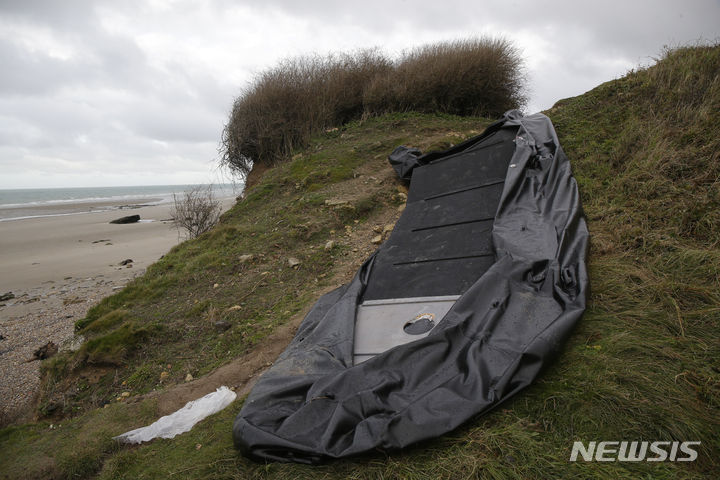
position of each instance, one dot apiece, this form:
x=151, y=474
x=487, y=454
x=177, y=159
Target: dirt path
x=241, y=373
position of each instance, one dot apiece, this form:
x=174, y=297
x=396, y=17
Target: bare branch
x=196, y=211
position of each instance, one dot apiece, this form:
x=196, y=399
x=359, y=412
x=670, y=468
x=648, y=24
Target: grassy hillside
x=642, y=364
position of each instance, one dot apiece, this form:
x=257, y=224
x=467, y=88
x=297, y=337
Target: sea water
x=40, y=202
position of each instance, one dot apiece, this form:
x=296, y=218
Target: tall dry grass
x=288, y=103
x=299, y=97
x=468, y=77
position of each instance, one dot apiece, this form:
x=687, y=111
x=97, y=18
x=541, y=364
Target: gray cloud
x=25, y=73
x=138, y=92
x=67, y=15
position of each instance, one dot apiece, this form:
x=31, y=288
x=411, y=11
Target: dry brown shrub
x=302, y=96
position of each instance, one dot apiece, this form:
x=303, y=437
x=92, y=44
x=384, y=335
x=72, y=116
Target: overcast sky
x=99, y=93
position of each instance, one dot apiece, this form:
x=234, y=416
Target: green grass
x=641, y=364
x=107, y=321
x=71, y=448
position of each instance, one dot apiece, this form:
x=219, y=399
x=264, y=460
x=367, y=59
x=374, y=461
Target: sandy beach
x=57, y=267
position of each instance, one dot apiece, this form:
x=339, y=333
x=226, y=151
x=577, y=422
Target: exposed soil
x=241, y=373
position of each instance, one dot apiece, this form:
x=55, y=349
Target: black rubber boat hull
x=511, y=262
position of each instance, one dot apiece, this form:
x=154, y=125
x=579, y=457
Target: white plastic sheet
x=182, y=420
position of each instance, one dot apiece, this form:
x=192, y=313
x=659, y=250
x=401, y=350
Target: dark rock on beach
x=7, y=296
x=46, y=351
x=128, y=219
x=126, y=262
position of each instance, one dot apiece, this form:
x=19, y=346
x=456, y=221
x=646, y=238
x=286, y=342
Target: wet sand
x=57, y=267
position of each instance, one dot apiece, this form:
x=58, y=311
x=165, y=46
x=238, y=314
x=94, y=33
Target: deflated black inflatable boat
x=478, y=286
